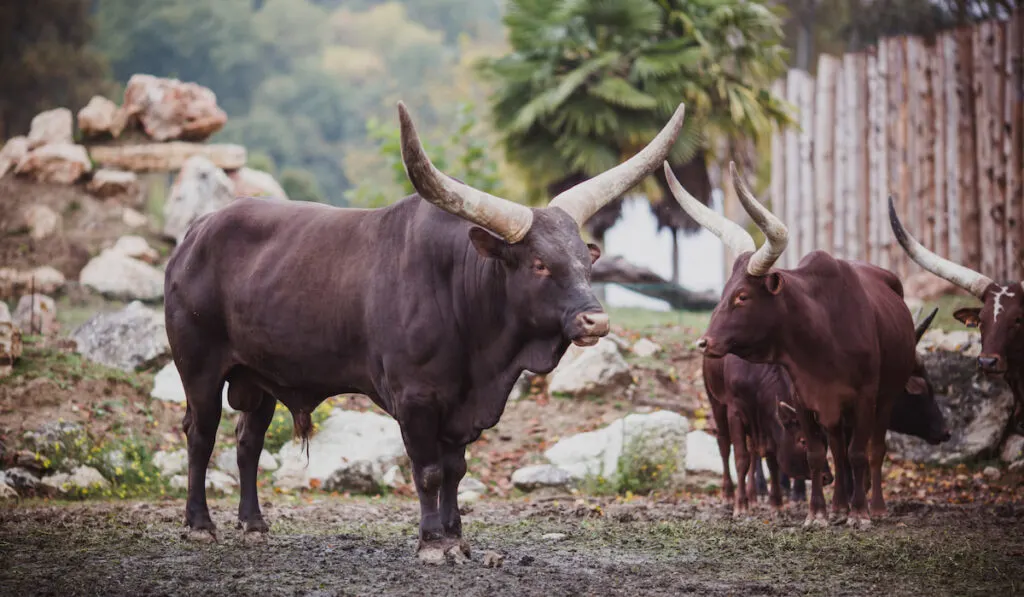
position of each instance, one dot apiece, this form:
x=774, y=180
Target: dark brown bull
x=999, y=318
x=840, y=329
x=745, y=402
x=432, y=313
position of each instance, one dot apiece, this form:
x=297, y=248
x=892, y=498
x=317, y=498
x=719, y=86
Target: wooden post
x=778, y=182
x=922, y=143
x=806, y=218
x=990, y=222
x=877, y=172
x=1013, y=144
x=824, y=146
x=840, y=159
x=951, y=86
x=895, y=109
x=970, y=226
x=938, y=70
x=792, y=153
x=856, y=72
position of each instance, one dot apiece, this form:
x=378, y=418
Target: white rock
x=992, y=473
x=227, y=461
x=1016, y=467
x=167, y=386
x=110, y=183
x=171, y=463
x=987, y=428
x=86, y=476
x=117, y=276
x=136, y=247
x=37, y=314
x=469, y=497
x=521, y=388
x=200, y=188
x=10, y=341
x=351, y=452
x=99, y=116
x=644, y=347
x=553, y=536
x=538, y=476
x=598, y=452
x=179, y=482
x=220, y=481
x=470, y=484
x=126, y=339
x=61, y=163
x=702, y=454
x=13, y=151
x=256, y=183
x=7, y=492
x=393, y=477
x=56, y=483
x=268, y=462
x=1013, y=449
x=133, y=219
x=41, y=220
x=51, y=126
x=588, y=369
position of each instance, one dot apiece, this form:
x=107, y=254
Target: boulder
x=171, y=463
x=6, y=491
x=169, y=109
x=540, y=476
x=1013, y=449
x=37, y=314
x=59, y=163
x=54, y=437
x=255, y=183
x=52, y=127
x=471, y=484
x=702, y=454
x=220, y=481
x=167, y=386
x=22, y=480
x=661, y=435
x=136, y=247
x=522, y=386
x=127, y=339
x=201, y=188
x=100, y=117
x=227, y=461
x=10, y=341
x=107, y=183
x=13, y=152
x=83, y=477
x=44, y=280
x=977, y=410
x=133, y=219
x=965, y=341
x=41, y=221
x=118, y=276
x=351, y=452
x=590, y=369
x=166, y=157
x=645, y=347
x=394, y=478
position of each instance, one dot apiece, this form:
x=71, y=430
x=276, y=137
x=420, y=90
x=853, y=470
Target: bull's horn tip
x=732, y=167
x=668, y=168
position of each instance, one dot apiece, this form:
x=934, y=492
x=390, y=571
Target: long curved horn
x=922, y=327
x=584, y=199
x=964, y=277
x=775, y=232
x=732, y=234
x=508, y=220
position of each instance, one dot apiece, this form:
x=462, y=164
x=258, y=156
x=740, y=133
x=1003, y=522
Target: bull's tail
x=302, y=427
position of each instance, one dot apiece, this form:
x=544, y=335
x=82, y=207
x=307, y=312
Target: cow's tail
x=302, y=425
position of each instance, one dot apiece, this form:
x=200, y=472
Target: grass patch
x=645, y=465
x=637, y=319
x=67, y=368
x=944, y=320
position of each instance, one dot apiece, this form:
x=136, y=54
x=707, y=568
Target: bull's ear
x=487, y=244
x=595, y=252
x=969, y=316
x=916, y=386
x=773, y=282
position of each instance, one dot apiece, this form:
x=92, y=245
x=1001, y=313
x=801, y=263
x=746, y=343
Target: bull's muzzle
x=991, y=363
x=592, y=327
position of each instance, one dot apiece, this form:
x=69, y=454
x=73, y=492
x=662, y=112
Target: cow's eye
x=540, y=267
x=740, y=298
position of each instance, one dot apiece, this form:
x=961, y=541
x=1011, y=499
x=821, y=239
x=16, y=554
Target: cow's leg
x=250, y=433
x=419, y=430
x=454, y=470
x=816, y=462
x=755, y=463
x=759, y=480
x=877, y=456
x=739, y=443
x=202, y=416
x=721, y=417
x=858, y=462
x=775, y=484
x=840, y=493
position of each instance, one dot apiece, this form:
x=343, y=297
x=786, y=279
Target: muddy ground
x=337, y=546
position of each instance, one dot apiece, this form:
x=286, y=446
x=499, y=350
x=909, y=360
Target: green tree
x=587, y=84
x=45, y=62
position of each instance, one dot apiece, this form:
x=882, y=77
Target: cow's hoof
x=254, y=526
x=431, y=554
x=879, y=512
x=254, y=538
x=455, y=555
x=859, y=521
x=816, y=521
x=201, y=536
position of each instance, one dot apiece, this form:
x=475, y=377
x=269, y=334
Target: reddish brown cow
x=745, y=401
x=999, y=318
x=840, y=329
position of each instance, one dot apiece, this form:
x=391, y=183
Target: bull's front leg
x=775, y=484
x=743, y=460
x=843, y=480
x=418, y=422
x=454, y=462
x=721, y=417
x=817, y=462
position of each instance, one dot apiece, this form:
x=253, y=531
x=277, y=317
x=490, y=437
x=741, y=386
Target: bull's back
x=894, y=323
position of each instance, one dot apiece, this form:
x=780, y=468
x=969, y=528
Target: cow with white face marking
x=1000, y=318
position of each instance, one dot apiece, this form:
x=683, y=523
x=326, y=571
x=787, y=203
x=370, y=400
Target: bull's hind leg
x=817, y=462
x=858, y=461
x=454, y=470
x=774, y=484
x=721, y=417
x=250, y=433
x=840, y=494
x=202, y=416
x=743, y=461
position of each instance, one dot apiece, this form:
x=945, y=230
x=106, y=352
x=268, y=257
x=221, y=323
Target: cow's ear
x=969, y=316
x=916, y=386
x=487, y=244
x=773, y=282
x=595, y=252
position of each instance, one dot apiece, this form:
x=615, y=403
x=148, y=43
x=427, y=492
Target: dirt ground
x=366, y=547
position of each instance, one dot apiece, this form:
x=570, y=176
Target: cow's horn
x=963, y=277
x=508, y=220
x=731, y=233
x=787, y=405
x=774, y=230
x=922, y=327
x=584, y=199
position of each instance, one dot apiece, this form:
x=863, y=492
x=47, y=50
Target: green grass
x=947, y=305
x=637, y=319
x=67, y=368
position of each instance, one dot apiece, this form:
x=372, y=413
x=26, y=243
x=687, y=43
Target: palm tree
x=588, y=83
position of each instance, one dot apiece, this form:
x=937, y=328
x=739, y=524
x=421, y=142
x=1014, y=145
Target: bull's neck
x=807, y=345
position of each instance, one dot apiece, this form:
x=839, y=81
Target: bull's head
x=547, y=263
x=916, y=411
x=1000, y=316
x=746, y=319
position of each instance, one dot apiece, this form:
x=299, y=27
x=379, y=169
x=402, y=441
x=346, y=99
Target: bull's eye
x=540, y=268
x=740, y=298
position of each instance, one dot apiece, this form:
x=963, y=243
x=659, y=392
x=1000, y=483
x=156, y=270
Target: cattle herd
x=434, y=314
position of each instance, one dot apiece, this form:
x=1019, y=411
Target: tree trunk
x=616, y=270
x=675, y=255
x=599, y=290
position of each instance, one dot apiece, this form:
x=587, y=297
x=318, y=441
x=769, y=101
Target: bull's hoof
x=201, y=536
x=859, y=520
x=254, y=526
x=254, y=538
x=816, y=520
x=455, y=555
x=431, y=554
x=879, y=511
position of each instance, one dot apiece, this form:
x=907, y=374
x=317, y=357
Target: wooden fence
x=940, y=126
